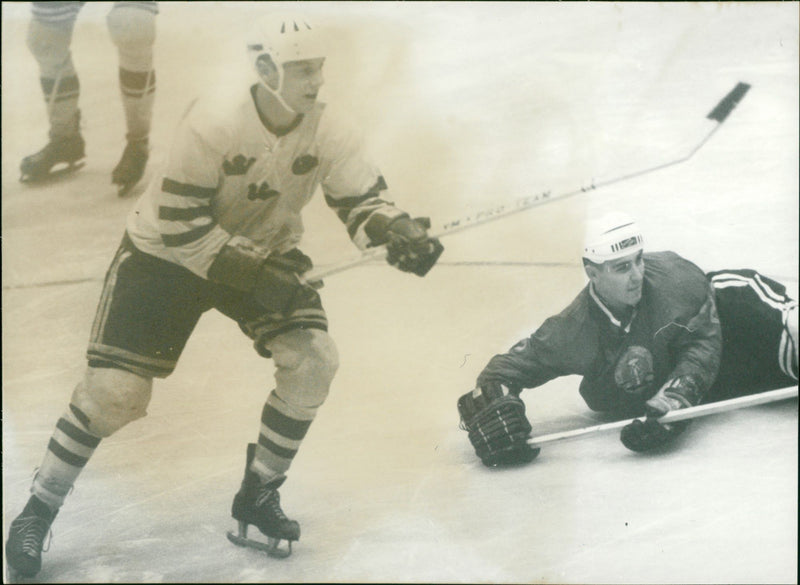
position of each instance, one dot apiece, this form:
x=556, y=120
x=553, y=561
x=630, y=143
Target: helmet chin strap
x=277, y=93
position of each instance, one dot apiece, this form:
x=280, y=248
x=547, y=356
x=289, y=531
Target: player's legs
x=147, y=310
x=103, y=402
x=49, y=39
x=306, y=361
x=759, y=334
x=133, y=29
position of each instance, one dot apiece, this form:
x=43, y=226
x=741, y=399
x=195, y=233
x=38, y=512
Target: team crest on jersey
x=238, y=166
x=303, y=164
x=262, y=191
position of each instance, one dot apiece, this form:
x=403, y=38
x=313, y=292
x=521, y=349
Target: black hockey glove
x=409, y=247
x=274, y=280
x=498, y=429
x=641, y=436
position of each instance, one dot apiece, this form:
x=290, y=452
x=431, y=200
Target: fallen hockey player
x=220, y=230
x=649, y=334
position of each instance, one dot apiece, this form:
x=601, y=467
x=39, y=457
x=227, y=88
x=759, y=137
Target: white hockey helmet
x=283, y=37
x=612, y=236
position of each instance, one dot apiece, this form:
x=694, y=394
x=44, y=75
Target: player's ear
x=590, y=268
x=268, y=71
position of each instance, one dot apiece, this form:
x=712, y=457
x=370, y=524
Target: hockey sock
x=69, y=450
x=138, y=91
x=283, y=427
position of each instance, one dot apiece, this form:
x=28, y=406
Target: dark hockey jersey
x=675, y=321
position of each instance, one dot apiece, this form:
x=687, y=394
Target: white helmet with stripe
x=612, y=236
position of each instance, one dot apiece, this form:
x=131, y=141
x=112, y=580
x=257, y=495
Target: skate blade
x=270, y=547
x=54, y=174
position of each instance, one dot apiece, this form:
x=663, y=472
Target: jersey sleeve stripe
x=183, y=238
x=187, y=190
x=183, y=213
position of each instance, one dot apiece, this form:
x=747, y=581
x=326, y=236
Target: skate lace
x=271, y=499
x=34, y=531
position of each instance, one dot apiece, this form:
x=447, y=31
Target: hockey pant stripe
x=787, y=352
x=100, y=355
x=788, y=349
x=106, y=296
x=137, y=84
x=764, y=291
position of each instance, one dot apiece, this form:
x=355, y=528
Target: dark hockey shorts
x=149, y=307
x=758, y=354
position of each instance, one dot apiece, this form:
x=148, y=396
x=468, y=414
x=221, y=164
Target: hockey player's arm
x=493, y=413
x=699, y=350
x=353, y=188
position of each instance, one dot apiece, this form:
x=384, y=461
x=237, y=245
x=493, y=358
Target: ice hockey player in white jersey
x=650, y=333
x=220, y=230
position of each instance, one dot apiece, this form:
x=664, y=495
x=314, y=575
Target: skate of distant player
x=220, y=229
x=649, y=334
x=132, y=29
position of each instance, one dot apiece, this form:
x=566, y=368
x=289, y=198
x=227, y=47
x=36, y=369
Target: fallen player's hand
x=498, y=429
x=650, y=434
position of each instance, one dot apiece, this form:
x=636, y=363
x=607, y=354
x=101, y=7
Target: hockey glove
x=498, y=429
x=409, y=247
x=274, y=280
x=680, y=392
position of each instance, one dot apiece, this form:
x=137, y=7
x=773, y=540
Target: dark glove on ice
x=498, y=429
x=650, y=434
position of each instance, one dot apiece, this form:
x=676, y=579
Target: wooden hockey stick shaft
x=673, y=416
x=718, y=114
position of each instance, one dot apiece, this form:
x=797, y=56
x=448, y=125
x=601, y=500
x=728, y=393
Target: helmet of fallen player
x=280, y=38
x=611, y=236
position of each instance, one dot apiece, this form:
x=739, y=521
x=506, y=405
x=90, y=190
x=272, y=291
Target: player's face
x=619, y=282
x=301, y=83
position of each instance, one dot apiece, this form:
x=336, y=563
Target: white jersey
x=228, y=175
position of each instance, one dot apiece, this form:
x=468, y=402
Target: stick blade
x=730, y=101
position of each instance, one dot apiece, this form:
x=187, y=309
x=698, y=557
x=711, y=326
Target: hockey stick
x=718, y=114
x=673, y=416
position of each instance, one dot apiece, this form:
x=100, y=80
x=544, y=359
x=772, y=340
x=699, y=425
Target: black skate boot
x=131, y=165
x=259, y=504
x=26, y=538
x=49, y=162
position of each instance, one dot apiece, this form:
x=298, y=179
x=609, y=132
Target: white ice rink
x=467, y=106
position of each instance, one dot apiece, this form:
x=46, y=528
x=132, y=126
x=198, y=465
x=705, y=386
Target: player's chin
x=306, y=103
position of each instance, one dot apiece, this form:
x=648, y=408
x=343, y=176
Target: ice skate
x=259, y=504
x=131, y=165
x=26, y=539
x=59, y=157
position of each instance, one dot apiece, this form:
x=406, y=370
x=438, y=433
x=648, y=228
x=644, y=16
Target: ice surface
x=467, y=106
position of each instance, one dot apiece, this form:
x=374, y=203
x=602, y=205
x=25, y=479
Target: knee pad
x=133, y=30
x=110, y=398
x=49, y=44
x=306, y=361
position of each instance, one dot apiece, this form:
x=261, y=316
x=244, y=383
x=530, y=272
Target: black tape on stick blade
x=726, y=105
